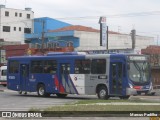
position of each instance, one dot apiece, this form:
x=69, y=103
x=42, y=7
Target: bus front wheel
x=102, y=92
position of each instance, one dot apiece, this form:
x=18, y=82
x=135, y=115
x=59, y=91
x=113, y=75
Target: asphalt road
x=12, y=101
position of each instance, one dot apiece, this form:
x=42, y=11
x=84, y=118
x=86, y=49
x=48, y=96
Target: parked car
x=3, y=75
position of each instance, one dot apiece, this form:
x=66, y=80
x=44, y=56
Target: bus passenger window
x=82, y=66
x=13, y=67
x=98, y=66
x=50, y=66
x=36, y=67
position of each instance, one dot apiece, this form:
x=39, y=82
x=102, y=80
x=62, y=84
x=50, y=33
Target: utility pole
x=42, y=47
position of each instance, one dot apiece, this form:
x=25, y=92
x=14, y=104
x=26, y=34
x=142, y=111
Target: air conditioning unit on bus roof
x=65, y=53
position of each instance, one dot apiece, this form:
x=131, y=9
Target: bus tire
x=102, y=92
x=41, y=90
x=61, y=95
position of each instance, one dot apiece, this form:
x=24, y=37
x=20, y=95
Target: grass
x=91, y=105
x=89, y=108
x=104, y=108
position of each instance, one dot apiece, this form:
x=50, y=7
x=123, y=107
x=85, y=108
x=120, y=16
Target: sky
x=122, y=15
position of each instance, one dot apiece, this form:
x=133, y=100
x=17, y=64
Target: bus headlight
x=131, y=86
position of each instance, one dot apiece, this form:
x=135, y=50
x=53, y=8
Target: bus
x=3, y=75
x=104, y=75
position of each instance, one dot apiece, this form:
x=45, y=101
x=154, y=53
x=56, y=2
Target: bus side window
x=37, y=66
x=82, y=66
x=50, y=66
x=98, y=66
x=13, y=66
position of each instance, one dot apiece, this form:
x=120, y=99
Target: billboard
x=103, y=32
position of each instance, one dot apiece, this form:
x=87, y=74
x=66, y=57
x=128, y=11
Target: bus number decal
x=12, y=77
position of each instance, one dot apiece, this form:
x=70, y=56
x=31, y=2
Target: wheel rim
x=102, y=93
x=41, y=91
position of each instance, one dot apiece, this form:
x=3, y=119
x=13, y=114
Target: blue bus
x=107, y=75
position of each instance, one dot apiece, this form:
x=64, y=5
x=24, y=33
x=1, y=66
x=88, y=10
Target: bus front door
x=24, y=75
x=64, y=75
x=116, y=78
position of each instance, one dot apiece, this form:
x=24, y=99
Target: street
x=12, y=101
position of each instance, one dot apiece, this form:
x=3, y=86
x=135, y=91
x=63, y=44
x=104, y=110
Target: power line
x=116, y=15
x=97, y=17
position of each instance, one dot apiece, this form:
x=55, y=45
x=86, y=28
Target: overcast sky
x=122, y=15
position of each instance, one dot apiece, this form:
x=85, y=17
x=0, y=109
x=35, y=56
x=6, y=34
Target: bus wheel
x=102, y=92
x=61, y=95
x=41, y=90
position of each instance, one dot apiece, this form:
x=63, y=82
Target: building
x=14, y=23
x=42, y=26
x=89, y=39
x=154, y=53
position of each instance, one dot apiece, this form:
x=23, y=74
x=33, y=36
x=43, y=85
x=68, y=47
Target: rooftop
x=79, y=28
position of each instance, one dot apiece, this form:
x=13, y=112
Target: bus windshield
x=139, y=71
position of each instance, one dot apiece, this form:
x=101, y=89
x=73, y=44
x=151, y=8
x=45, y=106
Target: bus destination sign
x=141, y=58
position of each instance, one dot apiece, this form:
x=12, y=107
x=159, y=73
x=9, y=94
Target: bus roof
x=57, y=55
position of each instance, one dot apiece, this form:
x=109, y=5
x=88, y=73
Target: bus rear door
x=24, y=76
x=117, y=79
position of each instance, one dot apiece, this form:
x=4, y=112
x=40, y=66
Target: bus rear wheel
x=41, y=91
x=61, y=95
x=102, y=92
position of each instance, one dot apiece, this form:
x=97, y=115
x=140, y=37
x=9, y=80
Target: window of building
x=27, y=30
x=19, y=28
x=16, y=14
x=82, y=66
x=6, y=13
x=20, y=14
x=6, y=28
x=98, y=66
x=13, y=67
x=28, y=16
x=14, y=28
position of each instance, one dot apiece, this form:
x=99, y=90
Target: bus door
x=24, y=76
x=116, y=82
x=65, y=69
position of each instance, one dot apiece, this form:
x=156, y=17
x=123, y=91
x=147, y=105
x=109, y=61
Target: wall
x=91, y=41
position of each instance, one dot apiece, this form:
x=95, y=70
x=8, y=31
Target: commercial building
x=14, y=23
